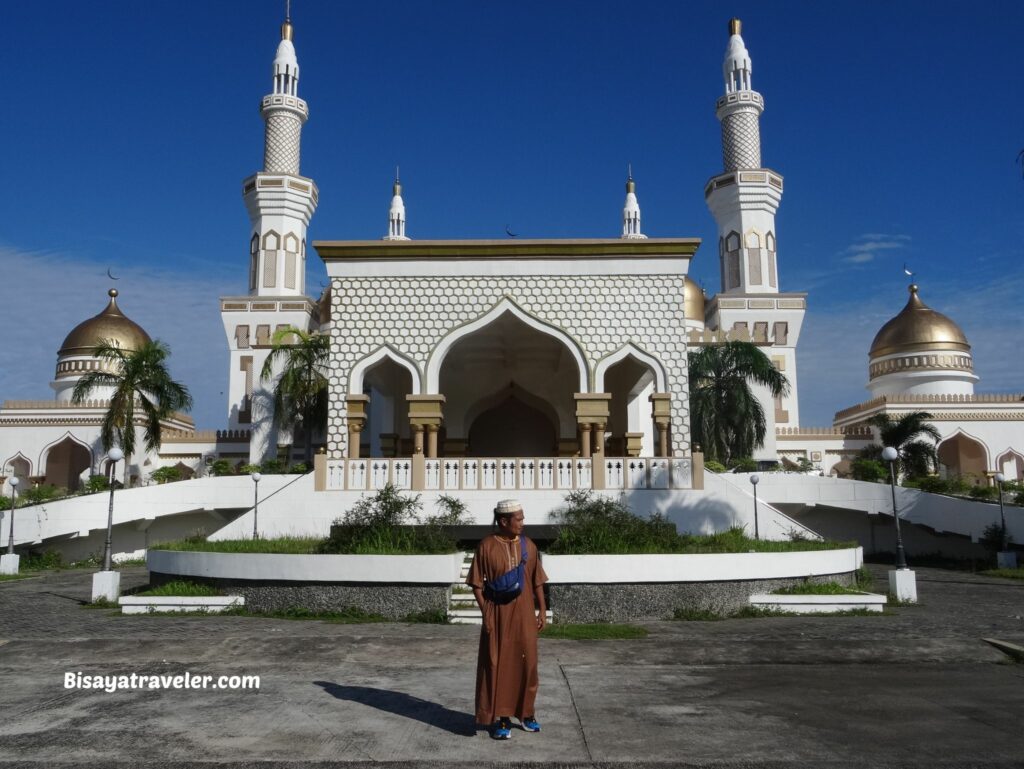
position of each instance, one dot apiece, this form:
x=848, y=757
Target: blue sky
x=129, y=127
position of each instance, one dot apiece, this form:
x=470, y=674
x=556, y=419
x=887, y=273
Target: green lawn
x=823, y=588
x=286, y=545
x=181, y=587
x=1017, y=573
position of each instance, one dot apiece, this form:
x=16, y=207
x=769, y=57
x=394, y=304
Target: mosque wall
x=601, y=313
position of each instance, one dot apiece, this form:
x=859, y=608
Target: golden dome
x=918, y=328
x=111, y=325
x=693, y=300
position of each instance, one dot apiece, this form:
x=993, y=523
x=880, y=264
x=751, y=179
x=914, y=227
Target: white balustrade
x=401, y=473
x=614, y=473
x=379, y=473
x=488, y=474
x=432, y=474
x=471, y=474
x=545, y=474
x=508, y=473
x=357, y=474
x=636, y=472
x=682, y=474
x=658, y=468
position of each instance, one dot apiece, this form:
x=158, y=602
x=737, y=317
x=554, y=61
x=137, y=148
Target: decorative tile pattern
x=281, y=150
x=741, y=140
x=602, y=313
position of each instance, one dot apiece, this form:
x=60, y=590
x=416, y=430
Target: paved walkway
x=915, y=688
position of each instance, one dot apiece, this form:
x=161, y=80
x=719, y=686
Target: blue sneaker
x=529, y=724
x=502, y=729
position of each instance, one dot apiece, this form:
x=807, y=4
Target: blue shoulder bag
x=510, y=584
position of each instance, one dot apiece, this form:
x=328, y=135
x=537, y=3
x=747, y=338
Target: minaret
x=396, y=214
x=280, y=201
x=631, y=211
x=745, y=198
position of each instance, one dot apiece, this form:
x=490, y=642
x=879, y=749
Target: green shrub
x=451, y=512
x=932, y=484
x=715, y=467
x=959, y=485
x=388, y=523
x=743, y=465
x=182, y=587
x=221, y=467
x=42, y=493
x=96, y=483
x=592, y=524
x=166, y=475
x=273, y=467
x=983, y=492
x=992, y=537
x=51, y=559
x=249, y=469
x=869, y=470
x=299, y=468
x=1018, y=498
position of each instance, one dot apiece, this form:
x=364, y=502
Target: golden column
x=426, y=414
x=661, y=408
x=356, y=406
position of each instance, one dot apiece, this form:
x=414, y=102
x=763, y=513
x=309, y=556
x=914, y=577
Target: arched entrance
x=386, y=433
x=630, y=424
x=65, y=463
x=18, y=467
x=509, y=384
x=1011, y=465
x=965, y=457
x=512, y=429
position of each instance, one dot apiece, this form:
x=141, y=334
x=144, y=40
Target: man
x=506, y=672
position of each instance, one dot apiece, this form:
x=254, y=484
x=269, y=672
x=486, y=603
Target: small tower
x=744, y=199
x=631, y=211
x=279, y=200
x=396, y=214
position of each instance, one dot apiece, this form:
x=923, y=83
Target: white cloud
x=49, y=294
x=868, y=245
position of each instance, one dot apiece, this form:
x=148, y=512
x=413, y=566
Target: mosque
x=452, y=359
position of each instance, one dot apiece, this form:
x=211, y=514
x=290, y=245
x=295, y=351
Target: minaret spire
x=631, y=209
x=396, y=214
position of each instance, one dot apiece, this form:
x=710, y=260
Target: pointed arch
x=964, y=464
x=1014, y=457
x=355, y=380
x=45, y=451
x=627, y=350
x=9, y=462
x=439, y=353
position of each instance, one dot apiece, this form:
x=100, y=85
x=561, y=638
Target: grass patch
x=819, y=588
x=597, y=631
x=428, y=617
x=12, y=577
x=103, y=603
x=1017, y=573
x=591, y=525
x=182, y=587
x=348, y=615
x=285, y=545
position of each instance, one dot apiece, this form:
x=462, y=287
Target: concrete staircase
x=462, y=608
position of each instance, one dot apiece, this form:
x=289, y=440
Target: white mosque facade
x=558, y=363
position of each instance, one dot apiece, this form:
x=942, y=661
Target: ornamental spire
x=396, y=214
x=631, y=210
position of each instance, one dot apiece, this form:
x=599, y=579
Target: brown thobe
x=506, y=670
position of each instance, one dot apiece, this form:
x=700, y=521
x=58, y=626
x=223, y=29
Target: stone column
x=698, y=468
x=661, y=409
x=425, y=411
x=599, y=428
x=634, y=444
x=432, y=441
x=356, y=406
x=585, y=440
x=320, y=470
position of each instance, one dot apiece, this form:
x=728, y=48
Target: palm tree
x=726, y=418
x=917, y=457
x=140, y=380
x=300, y=395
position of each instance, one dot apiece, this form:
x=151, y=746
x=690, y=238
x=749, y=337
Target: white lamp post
x=106, y=584
x=9, y=561
x=902, y=581
x=255, y=504
x=1005, y=558
x=754, y=480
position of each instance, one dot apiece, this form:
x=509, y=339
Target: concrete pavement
x=914, y=688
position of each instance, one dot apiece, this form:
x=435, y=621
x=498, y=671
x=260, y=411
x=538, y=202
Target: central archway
x=509, y=389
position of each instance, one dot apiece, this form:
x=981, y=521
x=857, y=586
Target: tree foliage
x=141, y=380
x=726, y=418
x=300, y=392
x=909, y=434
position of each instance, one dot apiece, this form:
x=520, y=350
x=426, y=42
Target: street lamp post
x=754, y=480
x=115, y=455
x=1005, y=558
x=902, y=581
x=14, y=498
x=9, y=560
x=255, y=504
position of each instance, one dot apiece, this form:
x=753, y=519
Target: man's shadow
x=402, y=704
